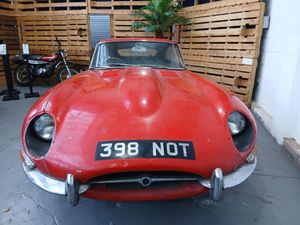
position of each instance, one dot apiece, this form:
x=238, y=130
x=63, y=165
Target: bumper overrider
x=72, y=189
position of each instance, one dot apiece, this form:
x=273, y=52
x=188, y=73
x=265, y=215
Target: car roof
x=137, y=39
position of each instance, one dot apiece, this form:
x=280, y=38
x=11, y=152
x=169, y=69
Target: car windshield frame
x=120, y=66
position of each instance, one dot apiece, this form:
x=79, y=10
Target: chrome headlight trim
x=241, y=129
x=236, y=122
x=44, y=126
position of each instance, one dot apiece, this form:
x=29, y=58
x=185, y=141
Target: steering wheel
x=108, y=58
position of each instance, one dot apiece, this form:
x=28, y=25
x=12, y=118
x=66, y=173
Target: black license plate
x=145, y=149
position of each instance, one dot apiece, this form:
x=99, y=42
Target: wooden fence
x=222, y=43
x=40, y=33
x=7, y=7
x=46, y=7
x=114, y=6
x=9, y=36
x=121, y=27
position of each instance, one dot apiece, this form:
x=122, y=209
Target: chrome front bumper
x=218, y=181
x=72, y=189
x=47, y=183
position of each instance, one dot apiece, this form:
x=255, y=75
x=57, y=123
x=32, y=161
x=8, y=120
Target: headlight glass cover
x=64, y=52
x=44, y=127
x=236, y=122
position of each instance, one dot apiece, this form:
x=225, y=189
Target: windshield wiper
x=98, y=67
x=122, y=65
x=115, y=65
x=118, y=64
x=160, y=67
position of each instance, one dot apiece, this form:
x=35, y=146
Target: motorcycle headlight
x=236, y=122
x=64, y=52
x=44, y=127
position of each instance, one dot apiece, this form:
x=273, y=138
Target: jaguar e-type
x=136, y=126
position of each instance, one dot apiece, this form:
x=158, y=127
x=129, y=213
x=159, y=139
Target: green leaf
x=160, y=15
x=150, y=28
x=138, y=25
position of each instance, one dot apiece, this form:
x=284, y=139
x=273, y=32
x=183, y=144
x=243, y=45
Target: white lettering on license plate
x=145, y=149
x=169, y=148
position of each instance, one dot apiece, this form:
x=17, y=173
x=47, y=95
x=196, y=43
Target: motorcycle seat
x=34, y=57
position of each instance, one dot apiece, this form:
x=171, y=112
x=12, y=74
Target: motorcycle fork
x=66, y=65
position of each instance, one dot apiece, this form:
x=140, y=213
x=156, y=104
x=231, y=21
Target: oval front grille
x=137, y=180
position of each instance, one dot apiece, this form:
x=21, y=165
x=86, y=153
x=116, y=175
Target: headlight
x=236, y=122
x=64, y=52
x=44, y=127
x=241, y=129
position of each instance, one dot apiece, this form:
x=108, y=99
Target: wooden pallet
x=121, y=27
x=46, y=7
x=7, y=7
x=9, y=35
x=115, y=6
x=222, y=42
x=40, y=33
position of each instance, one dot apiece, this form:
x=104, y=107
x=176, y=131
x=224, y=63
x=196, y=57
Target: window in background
x=100, y=28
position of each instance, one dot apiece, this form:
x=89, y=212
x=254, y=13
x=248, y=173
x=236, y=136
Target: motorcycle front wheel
x=20, y=75
x=64, y=75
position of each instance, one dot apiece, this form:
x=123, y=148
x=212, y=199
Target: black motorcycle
x=33, y=66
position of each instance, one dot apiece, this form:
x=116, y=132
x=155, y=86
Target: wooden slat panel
x=198, y=12
x=112, y=7
x=221, y=4
x=53, y=13
x=122, y=27
x=7, y=8
x=40, y=33
x=220, y=38
x=33, y=7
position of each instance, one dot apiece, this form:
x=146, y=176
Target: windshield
x=137, y=53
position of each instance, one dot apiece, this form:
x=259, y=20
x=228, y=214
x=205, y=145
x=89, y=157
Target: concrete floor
x=270, y=196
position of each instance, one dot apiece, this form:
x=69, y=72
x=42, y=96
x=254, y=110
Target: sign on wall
x=25, y=49
x=3, y=49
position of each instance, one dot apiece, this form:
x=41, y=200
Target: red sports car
x=138, y=126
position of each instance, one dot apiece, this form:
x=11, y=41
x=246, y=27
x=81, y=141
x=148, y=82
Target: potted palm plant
x=159, y=16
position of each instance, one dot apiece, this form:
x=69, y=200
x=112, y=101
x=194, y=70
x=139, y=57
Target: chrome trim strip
x=236, y=177
x=27, y=161
x=138, y=180
x=47, y=183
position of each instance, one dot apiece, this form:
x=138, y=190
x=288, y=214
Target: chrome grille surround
x=144, y=179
